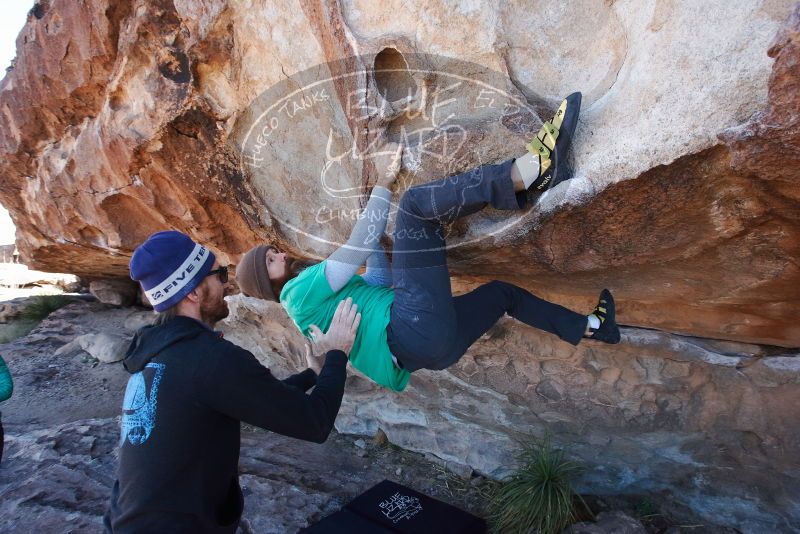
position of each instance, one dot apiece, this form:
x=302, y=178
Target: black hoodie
x=179, y=443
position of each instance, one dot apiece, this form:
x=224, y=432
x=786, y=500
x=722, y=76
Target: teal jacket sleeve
x=6, y=384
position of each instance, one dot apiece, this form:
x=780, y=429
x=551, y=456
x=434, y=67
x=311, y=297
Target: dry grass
x=41, y=306
x=36, y=309
x=15, y=329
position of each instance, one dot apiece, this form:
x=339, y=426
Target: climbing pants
x=429, y=328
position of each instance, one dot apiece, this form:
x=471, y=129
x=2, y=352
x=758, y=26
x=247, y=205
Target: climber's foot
x=552, y=143
x=605, y=311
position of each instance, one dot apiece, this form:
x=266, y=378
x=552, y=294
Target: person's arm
x=6, y=383
x=302, y=381
x=240, y=387
x=379, y=270
x=364, y=240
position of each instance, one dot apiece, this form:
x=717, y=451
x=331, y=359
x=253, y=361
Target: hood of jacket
x=149, y=341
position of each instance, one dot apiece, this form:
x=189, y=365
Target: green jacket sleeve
x=6, y=384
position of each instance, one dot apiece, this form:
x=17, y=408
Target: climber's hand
x=387, y=163
x=342, y=332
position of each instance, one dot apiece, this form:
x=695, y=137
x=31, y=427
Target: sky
x=13, y=14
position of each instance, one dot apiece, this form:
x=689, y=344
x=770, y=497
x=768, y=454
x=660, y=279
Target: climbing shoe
x=608, y=332
x=552, y=143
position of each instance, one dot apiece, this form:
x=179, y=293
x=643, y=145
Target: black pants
x=429, y=328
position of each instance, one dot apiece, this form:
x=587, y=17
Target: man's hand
x=340, y=335
x=314, y=361
x=388, y=164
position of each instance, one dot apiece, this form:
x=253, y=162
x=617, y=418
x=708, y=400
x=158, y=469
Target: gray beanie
x=252, y=275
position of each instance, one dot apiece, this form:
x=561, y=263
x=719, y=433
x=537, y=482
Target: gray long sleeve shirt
x=364, y=246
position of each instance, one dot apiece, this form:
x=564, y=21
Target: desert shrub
x=538, y=496
x=15, y=329
x=41, y=306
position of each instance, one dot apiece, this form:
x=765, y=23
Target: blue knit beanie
x=168, y=266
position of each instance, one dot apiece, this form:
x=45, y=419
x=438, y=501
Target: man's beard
x=213, y=309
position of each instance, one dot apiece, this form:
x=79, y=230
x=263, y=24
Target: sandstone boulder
x=11, y=309
x=102, y=346
x=116, y=292
x=684, y=199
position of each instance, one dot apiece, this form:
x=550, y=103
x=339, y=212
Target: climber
x=417, y=323
x=189, y=390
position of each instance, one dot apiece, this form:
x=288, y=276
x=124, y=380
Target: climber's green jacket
x=6, y=384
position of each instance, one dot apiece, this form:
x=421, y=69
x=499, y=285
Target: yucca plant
x=41, y=306
x=537, y=497
x=15, y=329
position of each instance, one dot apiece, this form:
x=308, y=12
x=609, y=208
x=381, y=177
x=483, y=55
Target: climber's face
x=282, y=267
x=276, y=264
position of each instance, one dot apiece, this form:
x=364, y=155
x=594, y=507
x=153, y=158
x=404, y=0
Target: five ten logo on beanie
x=179, y=278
